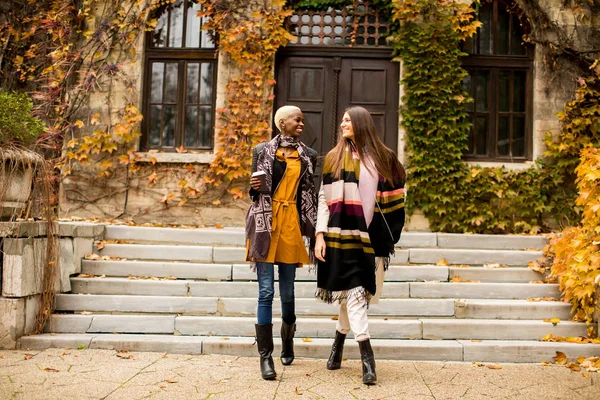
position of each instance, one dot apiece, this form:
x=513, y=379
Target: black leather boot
x=264, y=340
x=337, y=350
x=368, y=362
x=287, y=343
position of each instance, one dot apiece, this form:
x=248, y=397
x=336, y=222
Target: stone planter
x=16, y=177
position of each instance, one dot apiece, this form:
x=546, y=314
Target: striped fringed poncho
x=349, y=265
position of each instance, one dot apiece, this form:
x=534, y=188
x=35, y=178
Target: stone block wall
x=24, y=246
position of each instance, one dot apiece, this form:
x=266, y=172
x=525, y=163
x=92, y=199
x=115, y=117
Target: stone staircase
x=190, y=291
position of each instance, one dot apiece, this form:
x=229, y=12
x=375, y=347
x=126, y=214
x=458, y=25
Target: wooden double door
x=324, y=85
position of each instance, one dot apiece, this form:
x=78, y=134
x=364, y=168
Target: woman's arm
x=322, y=221
x=322, y=212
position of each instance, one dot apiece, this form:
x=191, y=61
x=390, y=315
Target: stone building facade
x=338, y=58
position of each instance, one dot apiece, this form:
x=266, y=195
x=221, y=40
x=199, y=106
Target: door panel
x=372, y=84
x=307, y=82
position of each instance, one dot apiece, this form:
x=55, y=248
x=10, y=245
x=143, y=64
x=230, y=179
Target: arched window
x=180, y=79
x=500, y=81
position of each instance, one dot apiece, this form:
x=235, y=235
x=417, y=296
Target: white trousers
x=353, y=311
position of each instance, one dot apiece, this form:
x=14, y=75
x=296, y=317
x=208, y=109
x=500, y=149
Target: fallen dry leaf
x=495, y=265
x=335, y=317
x=170, y=381
x=28, y=356
x=218, y=226
x=51, y=369
x=478, y=364
x=298, y=391
x=494, y=366
x=553, y=321
x=573, y=367
x=461, y=280
x=462, y=266
x=306, y=339
x=124, y=355
x=85, y=275
x=546, y=363
x=100, y=245
x=560, y=358
x=442, y=263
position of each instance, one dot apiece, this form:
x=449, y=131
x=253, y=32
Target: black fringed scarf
x=349, y=266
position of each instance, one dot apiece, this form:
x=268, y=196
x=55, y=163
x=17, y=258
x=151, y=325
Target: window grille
x=359, y=24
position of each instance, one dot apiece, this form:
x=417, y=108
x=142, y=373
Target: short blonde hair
x=283, y=113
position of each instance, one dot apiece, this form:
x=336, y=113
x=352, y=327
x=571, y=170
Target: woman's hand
x=320, y=247
x=255, y=183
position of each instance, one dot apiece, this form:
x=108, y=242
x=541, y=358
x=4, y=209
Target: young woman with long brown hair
x=359, y=219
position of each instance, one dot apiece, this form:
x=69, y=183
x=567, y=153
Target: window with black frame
x=500, y=81
x=180, y=80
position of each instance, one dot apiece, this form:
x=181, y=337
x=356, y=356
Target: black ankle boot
x=287, y=343
x=368, y=362
x=337, y=349
x=264, y=340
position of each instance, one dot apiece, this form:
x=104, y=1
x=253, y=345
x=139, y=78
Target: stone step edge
x=236, y=235
x=518, y=351
x=307, y=318
x=244, y=278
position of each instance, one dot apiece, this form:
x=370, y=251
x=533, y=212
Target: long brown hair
x=367, y=142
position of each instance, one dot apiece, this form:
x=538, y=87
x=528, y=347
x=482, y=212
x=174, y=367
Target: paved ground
x=106, y=374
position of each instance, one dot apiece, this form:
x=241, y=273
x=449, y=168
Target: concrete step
x=473, y=256
x=500, y=242
x=493, y=329
x=511, y=309
x=240, y=306
x=242, y=272
x=224, y=254
x=483, y=274
x=464, y=309
x=465, y=290
x=220, y=326
x=200, y=236
x=236, y=237
x=191, y=288
x=183, y=270
x=157, y=252
x=384, y=349
x=379, y=328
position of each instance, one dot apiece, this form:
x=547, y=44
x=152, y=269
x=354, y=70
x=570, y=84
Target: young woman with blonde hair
x=360, y=218
x=282, y=211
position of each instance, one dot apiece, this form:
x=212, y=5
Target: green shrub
x=17, y=125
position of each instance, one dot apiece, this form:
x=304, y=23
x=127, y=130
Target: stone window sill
x=510, y=166
x=177, y=158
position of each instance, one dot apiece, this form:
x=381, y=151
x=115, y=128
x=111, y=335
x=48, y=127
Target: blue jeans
x=266, y=292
